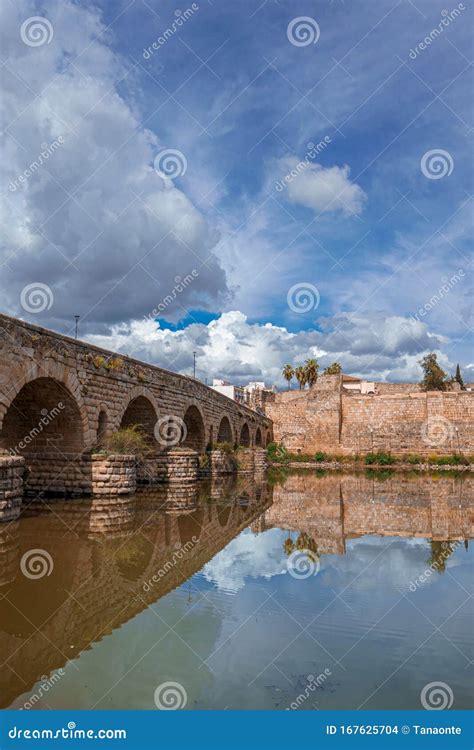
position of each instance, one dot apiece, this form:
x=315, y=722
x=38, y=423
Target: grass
x=278, y=454
x=129, y=441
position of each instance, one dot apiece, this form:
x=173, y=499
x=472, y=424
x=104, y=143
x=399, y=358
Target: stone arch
x=66, y=380
x=258, y=437
x=225, y=434
x=268, y=438
x=195, y=429
x=141, y=409
x=244, y=438
x=43, y=417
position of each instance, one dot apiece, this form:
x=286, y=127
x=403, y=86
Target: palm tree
x=288, y=373
x=311, y=370
x=300, y=374
x=333, y=369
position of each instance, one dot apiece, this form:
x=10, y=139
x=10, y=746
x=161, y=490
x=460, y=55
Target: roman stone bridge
x=61, y=398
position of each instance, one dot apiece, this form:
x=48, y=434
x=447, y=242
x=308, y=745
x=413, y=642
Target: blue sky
x=379, y=233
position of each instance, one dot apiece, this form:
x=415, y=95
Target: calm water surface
x=245, y=593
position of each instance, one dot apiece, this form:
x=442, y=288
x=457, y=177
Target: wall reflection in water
x=114, y=557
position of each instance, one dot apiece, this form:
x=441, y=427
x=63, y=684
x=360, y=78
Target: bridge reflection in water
x=113, y=558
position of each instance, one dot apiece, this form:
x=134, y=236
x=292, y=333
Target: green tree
x=288, y=373
x=440, y=551
x=434, y=377
x=311, y=368
x=333, y=369
x=458, y=378
x=300, y=374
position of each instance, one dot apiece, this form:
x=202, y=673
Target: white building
x=235, y=392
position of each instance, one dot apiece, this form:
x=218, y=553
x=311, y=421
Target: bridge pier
x=12, y=471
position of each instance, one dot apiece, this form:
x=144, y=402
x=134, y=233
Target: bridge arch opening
x=258, y=437
x=102, y=427
x=245, y=435
x=190, y=526
x=195, y=430
x=223, y=514
x=224, y=434
x=43, y=417
x=140, y=411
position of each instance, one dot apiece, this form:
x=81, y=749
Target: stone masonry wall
x=327, y=418
x=99, y=381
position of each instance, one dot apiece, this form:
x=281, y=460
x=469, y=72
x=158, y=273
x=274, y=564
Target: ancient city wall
x=327, y=418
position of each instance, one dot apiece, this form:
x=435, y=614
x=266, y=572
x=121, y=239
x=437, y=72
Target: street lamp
x=77, y=323
x=194, y=365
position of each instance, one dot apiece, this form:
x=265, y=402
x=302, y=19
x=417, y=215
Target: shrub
x=277, y=453
x=129, y=440
x=319, y=457
x=381, y=458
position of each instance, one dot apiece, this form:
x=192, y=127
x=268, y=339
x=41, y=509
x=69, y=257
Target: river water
x=305, y=591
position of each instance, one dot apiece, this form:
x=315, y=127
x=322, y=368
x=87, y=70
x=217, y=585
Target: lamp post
x=194, y=365
x=77, y=323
